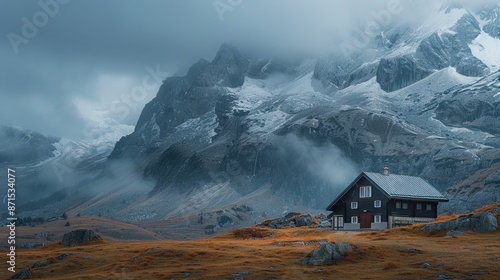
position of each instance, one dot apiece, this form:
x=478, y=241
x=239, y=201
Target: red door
x=365, y=220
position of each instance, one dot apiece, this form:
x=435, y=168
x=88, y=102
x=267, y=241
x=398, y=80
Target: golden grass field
x=256, y=253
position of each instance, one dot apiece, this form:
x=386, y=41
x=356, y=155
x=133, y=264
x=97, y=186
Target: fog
x=325, y=162
x=61, y=59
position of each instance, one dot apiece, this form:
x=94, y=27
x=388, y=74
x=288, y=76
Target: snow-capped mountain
x=227, y=121
x=422, y=99
x=50, y=167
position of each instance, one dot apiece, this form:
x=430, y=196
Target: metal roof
x=397, y=186
x=403, y=186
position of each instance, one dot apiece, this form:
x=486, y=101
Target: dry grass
x=272, y=254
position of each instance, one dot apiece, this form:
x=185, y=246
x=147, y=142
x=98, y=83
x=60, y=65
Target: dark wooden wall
x=388, y=206
x=366, y=204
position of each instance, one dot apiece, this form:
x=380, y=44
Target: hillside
x=256, y=253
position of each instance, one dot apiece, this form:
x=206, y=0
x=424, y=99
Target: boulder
x=62, y=256
x=330, y=253
x=303, y=221
x=23, y=274
x=79, y=237
x=291, y=219
x=40, y=264
x=482, y=222
x=425, y=264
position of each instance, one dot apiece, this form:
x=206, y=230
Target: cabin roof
x=398, y=187
x=403, y=186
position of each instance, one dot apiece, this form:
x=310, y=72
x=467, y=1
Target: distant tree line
x=31, y=222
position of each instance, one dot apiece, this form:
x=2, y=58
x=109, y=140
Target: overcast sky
x=93, y=53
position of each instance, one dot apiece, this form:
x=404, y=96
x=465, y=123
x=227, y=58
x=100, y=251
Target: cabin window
x=365, y=191
x=405, y=205
x=354, y=205
x=377, y=203
x=354, y=219
x=419, y=206
x=377, y=218
x=428, y=207
x=398, y=205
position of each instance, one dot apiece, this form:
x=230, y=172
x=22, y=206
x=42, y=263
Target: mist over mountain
x=283, y=131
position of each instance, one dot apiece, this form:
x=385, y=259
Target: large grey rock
x=482, y=222
x=79, y=237
x=303, y=221
x=330, y=253
x=291, y=219
x=23, y=274
x=40, y=264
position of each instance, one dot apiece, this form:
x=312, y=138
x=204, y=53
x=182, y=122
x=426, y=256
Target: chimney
x=386, y=170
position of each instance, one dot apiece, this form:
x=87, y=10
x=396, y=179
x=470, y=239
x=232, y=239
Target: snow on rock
x=486, y=49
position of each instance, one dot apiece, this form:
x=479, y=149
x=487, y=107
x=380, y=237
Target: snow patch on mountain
x=443, y=20
x=486, y=49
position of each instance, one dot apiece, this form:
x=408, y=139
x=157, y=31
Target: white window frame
x=354, y=220
x=377, y=219
x=365, y=191
x=354, y=205
x=418, y=206
x=398, y=204
x=404, y=205
x=377, y=203
x=428, y=207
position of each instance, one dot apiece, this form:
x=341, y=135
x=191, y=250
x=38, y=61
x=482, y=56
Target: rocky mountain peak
x=490, y=12
x=450, y=7
x=227, y=69
x=228, y=55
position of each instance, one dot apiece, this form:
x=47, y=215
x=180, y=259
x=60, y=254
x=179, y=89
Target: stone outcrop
x=330, y=253
x=23, y=274
x=79, y=237
x=483, y=222
x=291, y=219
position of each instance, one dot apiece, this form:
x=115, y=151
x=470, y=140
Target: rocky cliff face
x=422, y=104
x=491, y=16
x=475, y=106
x=183, y=98
x=403, y=55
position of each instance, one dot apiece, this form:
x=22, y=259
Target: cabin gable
x=364, y=204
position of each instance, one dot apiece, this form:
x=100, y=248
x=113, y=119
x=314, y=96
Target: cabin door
x=338, y=222
x=365, y=220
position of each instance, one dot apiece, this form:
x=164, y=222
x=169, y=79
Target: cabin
x=378, y=201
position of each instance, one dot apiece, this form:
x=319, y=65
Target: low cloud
x=85, y=42
x=325, y=162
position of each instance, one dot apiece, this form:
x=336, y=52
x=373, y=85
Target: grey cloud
x=88, y=39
